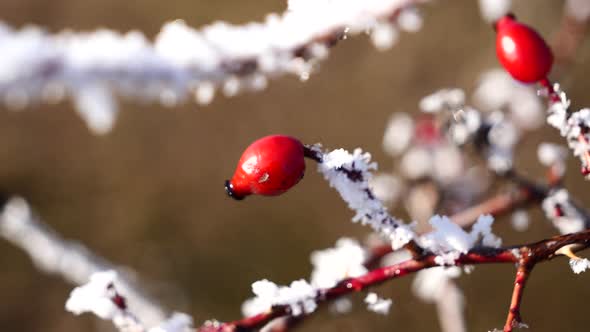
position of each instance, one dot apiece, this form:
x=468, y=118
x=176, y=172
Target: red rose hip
x=269, y=166
x=522, y=51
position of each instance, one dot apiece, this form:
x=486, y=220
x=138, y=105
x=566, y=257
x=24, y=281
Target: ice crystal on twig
x=377, y=304
x=299, y=296
x=448, y=240
x=579, y=265
x=332, y=265
x=100, y=297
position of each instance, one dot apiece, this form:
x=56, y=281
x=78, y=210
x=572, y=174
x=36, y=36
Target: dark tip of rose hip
x=230, y=191
x=495, y=24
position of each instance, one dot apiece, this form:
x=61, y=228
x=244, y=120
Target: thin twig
x=523, y=272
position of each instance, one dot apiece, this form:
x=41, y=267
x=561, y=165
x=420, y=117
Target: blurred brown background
x=149, y=195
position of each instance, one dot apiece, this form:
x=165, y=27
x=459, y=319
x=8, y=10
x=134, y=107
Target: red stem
x=514, y=318
x=553, y=96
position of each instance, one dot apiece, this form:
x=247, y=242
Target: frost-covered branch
x=535, y=252
x=183, y=62
x=349, y=174
x=70, y=260
x=101, y=296
x=496, y=206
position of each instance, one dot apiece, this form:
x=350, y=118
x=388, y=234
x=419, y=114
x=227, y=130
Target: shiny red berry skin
x=269, y=166
x=522, y=51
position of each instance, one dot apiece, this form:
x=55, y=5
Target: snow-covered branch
x=349, y=173
x=68, y=259
x=182, y=62
x=101, y=297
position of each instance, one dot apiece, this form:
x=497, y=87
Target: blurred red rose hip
x=522, y=51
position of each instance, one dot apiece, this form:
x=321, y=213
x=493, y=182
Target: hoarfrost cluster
x=345, y=260
x=579, y=265
x=449, y=240
x=299, y=296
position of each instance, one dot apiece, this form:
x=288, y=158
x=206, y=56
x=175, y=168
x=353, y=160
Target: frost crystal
x=100, y=297
x=97, y=107
x=579, y=265
x=377, y=304
x=95, y=296
x=300, y=296
x=384, y=36
x=335, y=264
x=448, y=240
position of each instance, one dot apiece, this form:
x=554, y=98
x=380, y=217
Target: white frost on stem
x=345, y=260
x=37, y=66
x=101, y=297
x=332, y=265
x=579, y=265
x=71, y=260
x=349, y=173
x=448, y=240
x=299, y=296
